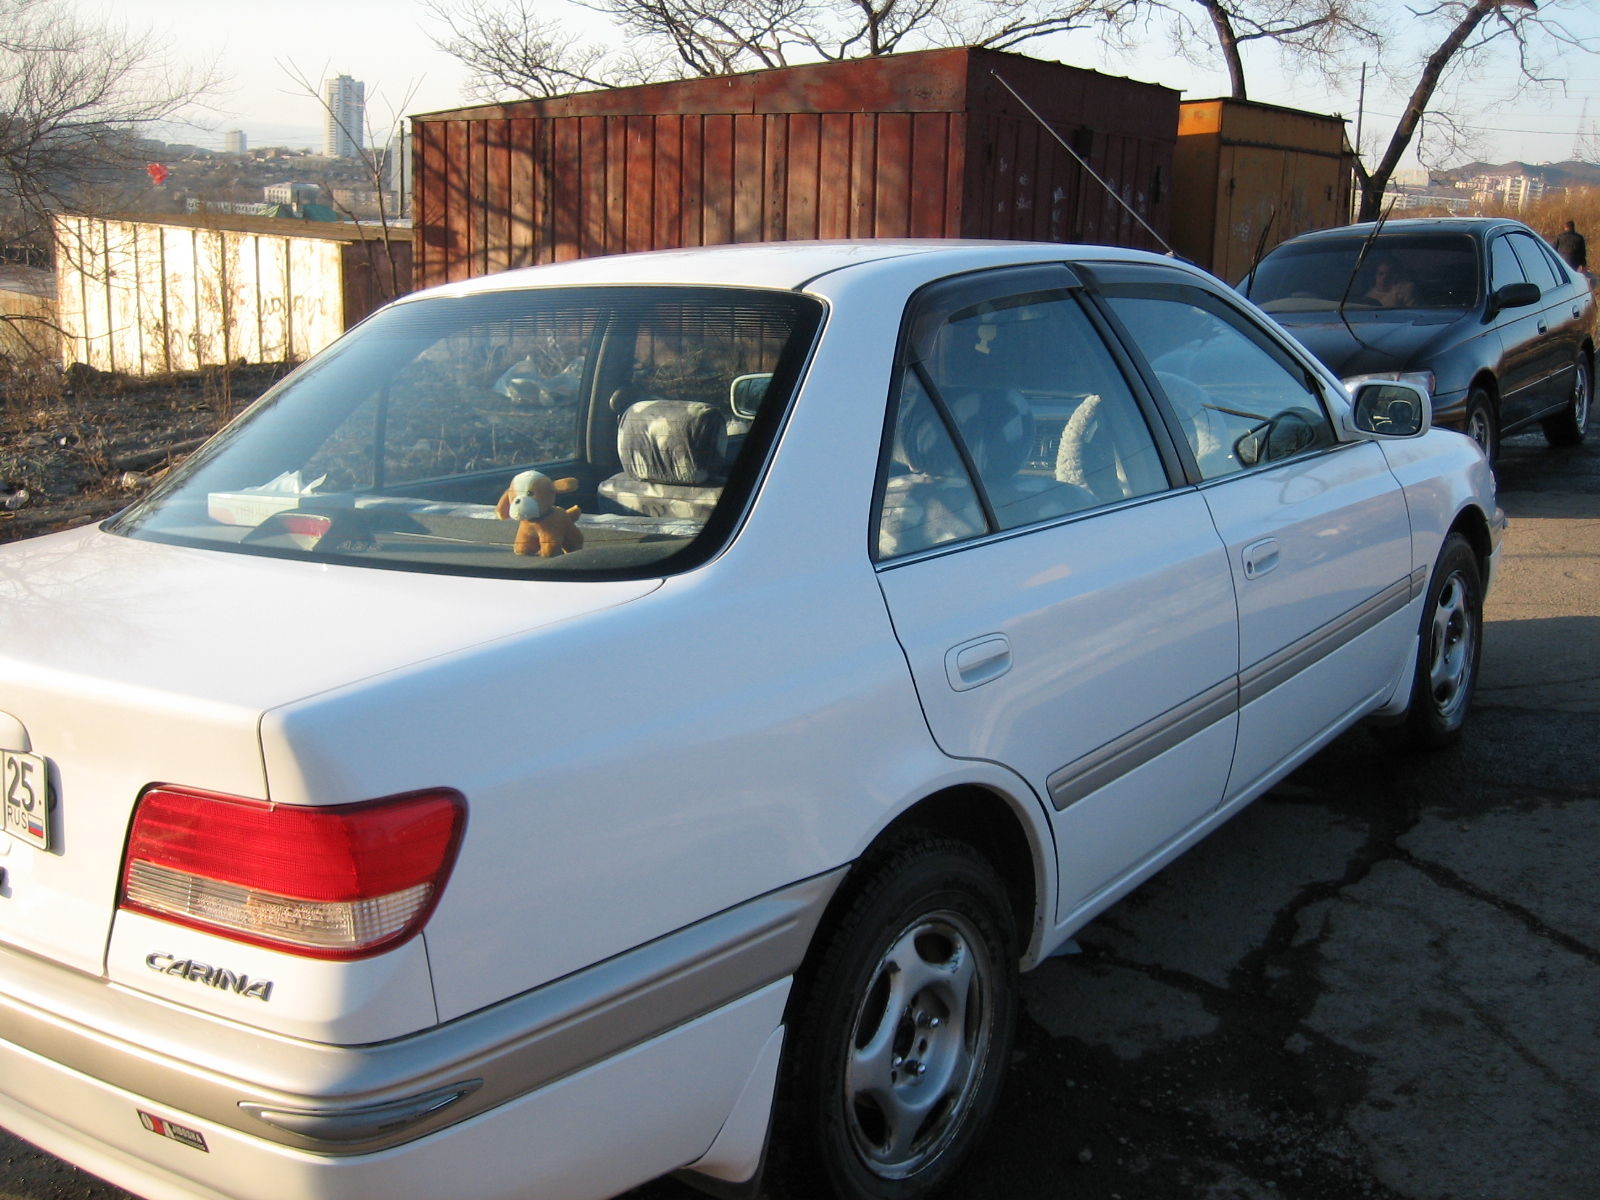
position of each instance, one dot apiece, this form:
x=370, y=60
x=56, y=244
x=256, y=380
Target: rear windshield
x=1411, y=271
x=595, y=432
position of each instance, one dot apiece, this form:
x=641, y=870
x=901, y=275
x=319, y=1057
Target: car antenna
x=1261, y=250
x=1048, y=128
x=1355, y=271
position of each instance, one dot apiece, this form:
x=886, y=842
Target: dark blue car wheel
x=1568, y=426
x=1482, y=426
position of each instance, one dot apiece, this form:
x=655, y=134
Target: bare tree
x=1468, y=32
x=1587, y=146
x=1311, y=35
x=74, y=97
x=514, y=51
x=373, y=164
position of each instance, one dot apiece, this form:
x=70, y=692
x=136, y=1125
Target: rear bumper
x=590, y=1135
x=561, y=1077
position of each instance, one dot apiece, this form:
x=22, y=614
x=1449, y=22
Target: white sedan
x=641, y=714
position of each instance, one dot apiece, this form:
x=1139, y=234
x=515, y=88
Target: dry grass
x=1581, y=207
x=76, y=446
x=1548, y=215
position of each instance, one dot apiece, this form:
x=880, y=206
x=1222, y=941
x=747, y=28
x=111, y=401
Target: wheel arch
x=988, y=822
x=1472, y=524
x=1484, y=379
x=992, y=823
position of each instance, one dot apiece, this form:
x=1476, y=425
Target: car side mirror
x=1391, y=409
x=746, y=393
x=1514, y=295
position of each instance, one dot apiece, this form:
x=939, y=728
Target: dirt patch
x=76, y=447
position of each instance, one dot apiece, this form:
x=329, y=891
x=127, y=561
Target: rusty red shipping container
x=929, y=144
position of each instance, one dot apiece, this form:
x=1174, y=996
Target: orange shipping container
x=1252, y=175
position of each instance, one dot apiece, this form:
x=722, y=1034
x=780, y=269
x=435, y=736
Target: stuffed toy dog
x=546, y=530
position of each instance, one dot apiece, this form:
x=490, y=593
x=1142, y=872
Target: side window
x=928, y=498
x=1503, y=265
x=1536, y=263
x=1011, y=411
x=1240, y=401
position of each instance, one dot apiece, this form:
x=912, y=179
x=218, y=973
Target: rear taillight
x=337, y=882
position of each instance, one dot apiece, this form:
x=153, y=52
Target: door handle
x=1260, y=557
x=977, y=662
x=1544, y=326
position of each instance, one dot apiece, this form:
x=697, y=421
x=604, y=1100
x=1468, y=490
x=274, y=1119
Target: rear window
x=1412, y=271
x=596, y=432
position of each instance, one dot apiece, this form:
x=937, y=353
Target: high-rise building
x=345, y=128
x=397, y=169
x=233, y=142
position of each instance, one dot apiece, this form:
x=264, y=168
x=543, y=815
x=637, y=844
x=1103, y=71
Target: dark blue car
x=1479, y=311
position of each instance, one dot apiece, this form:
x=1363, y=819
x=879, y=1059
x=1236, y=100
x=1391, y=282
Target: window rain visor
x=566, y=432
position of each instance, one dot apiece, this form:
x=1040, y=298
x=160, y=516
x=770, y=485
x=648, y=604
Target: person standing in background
x=1571, y=246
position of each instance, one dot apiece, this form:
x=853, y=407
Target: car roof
x=788, y=265
x=1474, y=226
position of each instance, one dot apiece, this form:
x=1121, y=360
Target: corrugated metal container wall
x=919, y=145
x=1253, y=175
x=154, y=296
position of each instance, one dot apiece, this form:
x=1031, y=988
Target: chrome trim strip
x=1257, y=680
x=195, y=1064
x=1133, y=749
x=1117, y=757
x=362, y=1124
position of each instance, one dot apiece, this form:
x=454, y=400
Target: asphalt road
x=1382, y=980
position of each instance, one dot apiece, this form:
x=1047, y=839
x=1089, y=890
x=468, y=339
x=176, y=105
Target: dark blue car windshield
x=1409, y=271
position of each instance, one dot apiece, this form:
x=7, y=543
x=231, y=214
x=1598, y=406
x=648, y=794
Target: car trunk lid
x=125, y=663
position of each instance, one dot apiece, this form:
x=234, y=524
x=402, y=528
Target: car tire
x=1449, y=645
x=1481, y=425
x=1568, y=427
x=900, y=1028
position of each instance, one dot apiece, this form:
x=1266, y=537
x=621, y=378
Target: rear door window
x=1010, y=410
x=1536, y=262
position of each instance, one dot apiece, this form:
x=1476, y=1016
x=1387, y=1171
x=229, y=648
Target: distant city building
x=1523, y=190
x=234, y=142
x=344, y=130
x=291, y=193
x=1412, y=198
x=397, y=170
x=232, y=208
x=1514, y=191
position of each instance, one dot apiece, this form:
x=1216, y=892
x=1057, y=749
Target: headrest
x=997, y=426
x=680, y=442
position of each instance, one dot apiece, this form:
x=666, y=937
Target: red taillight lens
x=337, y=882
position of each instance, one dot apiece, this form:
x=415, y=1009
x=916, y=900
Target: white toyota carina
x=641, y=714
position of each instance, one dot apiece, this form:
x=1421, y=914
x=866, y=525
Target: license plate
x=25, y=789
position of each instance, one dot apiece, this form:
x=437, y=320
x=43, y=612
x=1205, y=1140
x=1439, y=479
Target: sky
x=263, y=50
